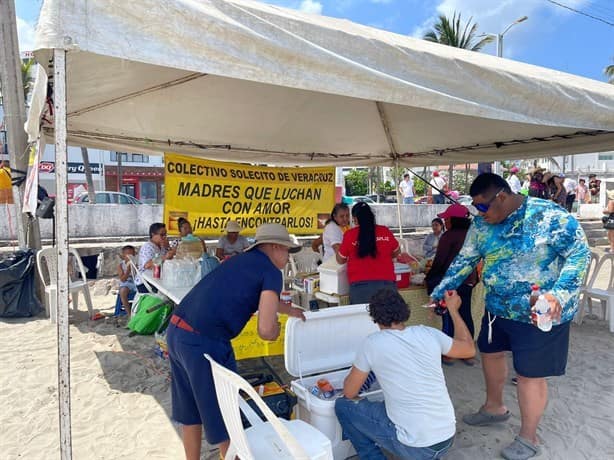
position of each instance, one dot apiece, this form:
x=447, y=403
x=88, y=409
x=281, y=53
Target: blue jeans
x=367, y=426
x=439, y=199
x=408, y=200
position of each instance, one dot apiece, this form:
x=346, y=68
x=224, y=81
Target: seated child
x=126, y=283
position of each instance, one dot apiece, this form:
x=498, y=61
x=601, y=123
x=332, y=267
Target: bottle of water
x=542, y=309
x=535, y=293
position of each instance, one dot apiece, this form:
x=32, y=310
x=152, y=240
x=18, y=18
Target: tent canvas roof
x=244, y=81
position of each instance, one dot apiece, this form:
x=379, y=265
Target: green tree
x=28, y=81
x=452, y=33
x=357, y=182
x=609, y=72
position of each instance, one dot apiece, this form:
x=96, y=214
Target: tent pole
x=393, y=151
x=61, y=231
x=396, y=167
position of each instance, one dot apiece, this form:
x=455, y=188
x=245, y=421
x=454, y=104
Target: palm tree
x=609, y=72
x=26, y=78
x=450, y=32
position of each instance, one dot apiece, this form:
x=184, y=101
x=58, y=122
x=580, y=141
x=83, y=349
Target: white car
x=109, y=198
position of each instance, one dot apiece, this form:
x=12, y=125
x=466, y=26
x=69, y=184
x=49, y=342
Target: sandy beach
x=121, y=396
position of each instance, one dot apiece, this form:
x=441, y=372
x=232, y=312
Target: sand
x=121, y=396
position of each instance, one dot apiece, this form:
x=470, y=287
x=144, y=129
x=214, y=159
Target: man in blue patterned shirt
x=522, y=241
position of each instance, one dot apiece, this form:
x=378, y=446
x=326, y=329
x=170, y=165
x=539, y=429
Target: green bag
x=149, y=313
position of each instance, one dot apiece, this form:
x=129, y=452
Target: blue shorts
x=128, y=284
x=535, y=353
x=192, y=388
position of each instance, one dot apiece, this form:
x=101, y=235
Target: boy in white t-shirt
x=416, y=418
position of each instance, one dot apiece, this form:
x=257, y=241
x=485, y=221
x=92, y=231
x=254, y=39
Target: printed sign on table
x=210, y=193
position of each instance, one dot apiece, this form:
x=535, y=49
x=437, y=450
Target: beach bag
x=149, y=313
x=608, y=222
x=208, y=264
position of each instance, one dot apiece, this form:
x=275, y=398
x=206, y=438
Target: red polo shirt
x=380, y=268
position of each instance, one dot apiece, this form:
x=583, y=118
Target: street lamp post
x=500, y=36
x=499, y=42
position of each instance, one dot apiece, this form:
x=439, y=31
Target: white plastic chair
x=605, y=296
x=591, y=273
x=134, y=271
x=274, y=439
x=49, y=257
x=304, y=261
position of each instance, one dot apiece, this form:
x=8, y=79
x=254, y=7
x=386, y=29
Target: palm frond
x=453, y=33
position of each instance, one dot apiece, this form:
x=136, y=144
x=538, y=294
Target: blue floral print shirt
x=539, y=243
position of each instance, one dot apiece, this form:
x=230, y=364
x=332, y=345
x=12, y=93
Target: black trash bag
x=17, y=296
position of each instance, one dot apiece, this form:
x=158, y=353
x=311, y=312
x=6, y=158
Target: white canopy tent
x=242, y=81
x=251, y=82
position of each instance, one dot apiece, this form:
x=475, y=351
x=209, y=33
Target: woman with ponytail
x=368, y=249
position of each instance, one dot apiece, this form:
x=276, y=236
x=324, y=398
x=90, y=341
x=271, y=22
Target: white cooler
x=334, y=277
x=324, y=346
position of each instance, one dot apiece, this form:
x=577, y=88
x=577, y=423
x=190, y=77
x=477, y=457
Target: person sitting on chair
x=232, y=243
x=126, y=283
x=185, y=231
x=156, y=246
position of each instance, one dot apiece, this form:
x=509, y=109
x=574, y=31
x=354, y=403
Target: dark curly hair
x=387, y=307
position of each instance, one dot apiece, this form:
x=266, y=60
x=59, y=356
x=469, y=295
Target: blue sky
x=553, y=36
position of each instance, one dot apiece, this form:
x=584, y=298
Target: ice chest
x=334, y=277
x=402, y=273
x=324, y=346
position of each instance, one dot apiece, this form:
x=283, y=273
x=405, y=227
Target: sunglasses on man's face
x=484, y=207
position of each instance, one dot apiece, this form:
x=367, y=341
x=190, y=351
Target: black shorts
x=535, y=353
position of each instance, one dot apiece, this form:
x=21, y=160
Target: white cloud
x=310, y=6
x=25, y=34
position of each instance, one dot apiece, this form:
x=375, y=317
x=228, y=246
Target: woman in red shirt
x=368, y=250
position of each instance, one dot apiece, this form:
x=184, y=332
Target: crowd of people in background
x=556, y=186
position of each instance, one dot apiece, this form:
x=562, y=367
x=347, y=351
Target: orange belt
x=181, y=324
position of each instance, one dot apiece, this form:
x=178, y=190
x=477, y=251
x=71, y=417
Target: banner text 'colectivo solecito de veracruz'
x=210, y=193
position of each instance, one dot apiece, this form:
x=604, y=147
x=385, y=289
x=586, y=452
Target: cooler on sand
x=402, y=273
x=324, y=346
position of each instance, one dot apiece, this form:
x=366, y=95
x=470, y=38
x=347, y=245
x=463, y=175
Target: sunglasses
x=484, y=207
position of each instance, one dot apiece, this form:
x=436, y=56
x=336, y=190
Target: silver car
x=108, y=198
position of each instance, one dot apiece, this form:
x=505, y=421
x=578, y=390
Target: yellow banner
x=210, y=193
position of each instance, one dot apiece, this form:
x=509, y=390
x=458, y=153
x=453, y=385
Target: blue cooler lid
x=327, y=340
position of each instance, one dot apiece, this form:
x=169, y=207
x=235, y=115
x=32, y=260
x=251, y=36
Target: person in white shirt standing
x=570, y=187
x=513, y=180
x=438, y=183
x=416, y=418
x=406, y=188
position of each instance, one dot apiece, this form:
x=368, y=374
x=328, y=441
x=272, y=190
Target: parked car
x=356, y=199
x=108, y=198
